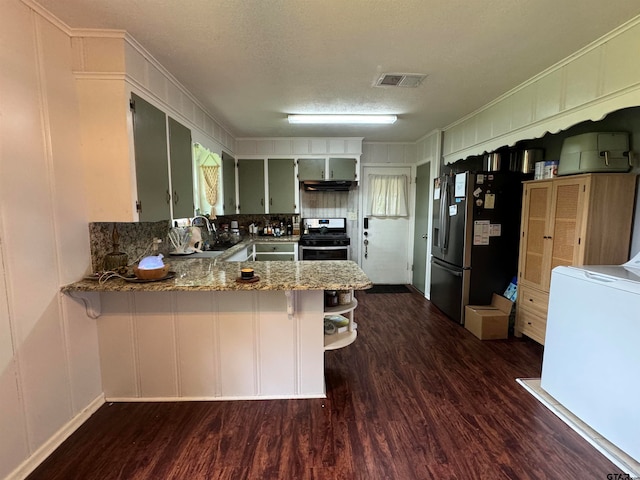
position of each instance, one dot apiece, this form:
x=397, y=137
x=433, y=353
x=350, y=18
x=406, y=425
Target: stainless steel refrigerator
x=475, y=238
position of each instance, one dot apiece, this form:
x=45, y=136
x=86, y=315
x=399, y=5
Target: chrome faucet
x=211, y=228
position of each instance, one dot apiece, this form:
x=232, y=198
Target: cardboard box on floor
x=489, y=322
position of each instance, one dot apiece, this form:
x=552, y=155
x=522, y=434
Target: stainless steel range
x=324, y=239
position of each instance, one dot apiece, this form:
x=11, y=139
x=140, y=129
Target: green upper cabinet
x=251, y=186
x=228, y=184
x=342, y=169
x=311, y=169
x=180, y=157
x=327, y=169
x=164, y=171
x=282, y=182
x=152, y=174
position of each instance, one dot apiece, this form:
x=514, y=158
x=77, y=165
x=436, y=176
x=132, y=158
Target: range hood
x=328, y=185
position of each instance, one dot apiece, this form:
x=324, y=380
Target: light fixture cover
x=343, y=119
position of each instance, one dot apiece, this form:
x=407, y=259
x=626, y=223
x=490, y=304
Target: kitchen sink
x=206, y=254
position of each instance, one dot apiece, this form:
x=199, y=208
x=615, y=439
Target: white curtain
x=208, y=165
x=388, y=196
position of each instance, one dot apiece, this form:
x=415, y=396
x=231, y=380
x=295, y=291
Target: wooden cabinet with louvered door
x=569, y=221
x=536, y=206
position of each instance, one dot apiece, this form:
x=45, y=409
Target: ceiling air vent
x=410, y=80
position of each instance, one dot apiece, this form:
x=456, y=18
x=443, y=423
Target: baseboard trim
x=212, y=399
x=47, y=448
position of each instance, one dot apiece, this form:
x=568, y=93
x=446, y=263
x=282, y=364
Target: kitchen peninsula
x=202, y=335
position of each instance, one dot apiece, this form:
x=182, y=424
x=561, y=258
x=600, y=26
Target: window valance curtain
x=388, y=196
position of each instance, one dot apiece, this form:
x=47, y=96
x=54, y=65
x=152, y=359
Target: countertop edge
x=212, y=274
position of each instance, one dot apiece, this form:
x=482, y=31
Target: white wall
x=587, y=85
x=109, y=66
x=49, y=365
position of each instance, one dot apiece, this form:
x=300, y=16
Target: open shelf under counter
x=342, y=339
x=338, y=309
x=339, y=340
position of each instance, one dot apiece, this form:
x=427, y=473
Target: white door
x=385, y=242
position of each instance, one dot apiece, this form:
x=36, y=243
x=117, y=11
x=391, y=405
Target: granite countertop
x=209, y=274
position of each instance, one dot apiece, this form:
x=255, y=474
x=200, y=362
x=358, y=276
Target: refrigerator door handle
x=439, y=265
x=444, y=216
x=439, y=226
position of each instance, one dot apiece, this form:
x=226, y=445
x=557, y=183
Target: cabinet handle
x=271, y=201
x=528, y=323
x=331, y=173
x=168, y=197
x=322, y=173
x=531, y=299
x=176, y=198
x=262, y=202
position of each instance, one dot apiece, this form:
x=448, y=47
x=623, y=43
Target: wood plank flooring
x=415, y=397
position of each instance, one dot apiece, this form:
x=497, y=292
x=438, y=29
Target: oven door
x=324, y=253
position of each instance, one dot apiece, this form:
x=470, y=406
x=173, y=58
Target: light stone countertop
x=209, y=274
x=217, y=274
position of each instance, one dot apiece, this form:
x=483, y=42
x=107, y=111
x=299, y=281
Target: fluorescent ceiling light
x=351, y=119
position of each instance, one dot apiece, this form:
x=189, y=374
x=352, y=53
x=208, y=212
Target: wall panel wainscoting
x=416, y=397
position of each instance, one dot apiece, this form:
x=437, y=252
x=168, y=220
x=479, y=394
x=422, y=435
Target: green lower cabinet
x=272, y=251
x=272, y=257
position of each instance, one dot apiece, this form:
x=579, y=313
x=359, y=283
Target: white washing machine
x=591, y=362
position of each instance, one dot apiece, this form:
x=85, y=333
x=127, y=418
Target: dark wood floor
x=415, y=397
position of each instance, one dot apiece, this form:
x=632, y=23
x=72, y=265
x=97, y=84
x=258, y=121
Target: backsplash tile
x=135, y=240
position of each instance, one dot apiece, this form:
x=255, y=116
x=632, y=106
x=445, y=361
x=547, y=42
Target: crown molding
x=557, y=66
x=47, y=15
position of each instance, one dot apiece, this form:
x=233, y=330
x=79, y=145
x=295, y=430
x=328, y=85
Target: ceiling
x=252, y=62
